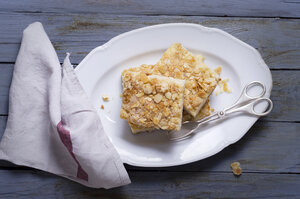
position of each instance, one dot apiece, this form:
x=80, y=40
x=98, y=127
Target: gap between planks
x=275, y=8
x=159, y=15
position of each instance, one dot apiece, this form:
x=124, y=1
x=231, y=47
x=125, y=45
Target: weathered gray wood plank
x=267, y=147
x=33, y=184
x=285, y=94
x=278, y=40
x=268, y=8
x=3, y=120
x=6, y=71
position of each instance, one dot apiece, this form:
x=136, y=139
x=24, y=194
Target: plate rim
x=257, y=54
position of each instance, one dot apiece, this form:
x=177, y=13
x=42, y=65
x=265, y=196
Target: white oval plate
x=100, y=73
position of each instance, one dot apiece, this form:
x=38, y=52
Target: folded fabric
x=52, y=125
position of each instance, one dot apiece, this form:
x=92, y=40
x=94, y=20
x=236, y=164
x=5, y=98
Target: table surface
x=269, y=153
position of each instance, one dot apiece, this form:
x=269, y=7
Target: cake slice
x=177, y=62
x=152, y=101
x=204, y=112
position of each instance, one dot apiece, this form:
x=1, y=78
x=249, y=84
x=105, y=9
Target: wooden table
x=269, y=153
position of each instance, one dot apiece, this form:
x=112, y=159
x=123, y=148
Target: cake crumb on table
x=236, y=168
x=102, y=107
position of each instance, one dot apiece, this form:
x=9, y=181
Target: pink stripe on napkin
x=65, y=137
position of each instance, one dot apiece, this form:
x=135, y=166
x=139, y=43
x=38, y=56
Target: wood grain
x=278, y=40
x=268, y=153
x=189, y=185
x=267, y=148
x=267, y=8
x=285, y=94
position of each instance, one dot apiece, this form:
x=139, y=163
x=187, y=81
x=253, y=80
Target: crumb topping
x=147, y=101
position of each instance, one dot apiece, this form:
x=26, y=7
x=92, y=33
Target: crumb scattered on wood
x=236, y=168
x=105, y=98
x=102, y=107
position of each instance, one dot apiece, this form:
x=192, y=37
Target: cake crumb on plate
x=105, y=98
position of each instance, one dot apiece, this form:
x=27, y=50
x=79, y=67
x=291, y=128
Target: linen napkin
x=52, y=125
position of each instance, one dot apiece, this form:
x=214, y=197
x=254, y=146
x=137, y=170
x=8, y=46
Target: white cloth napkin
x=52, y=125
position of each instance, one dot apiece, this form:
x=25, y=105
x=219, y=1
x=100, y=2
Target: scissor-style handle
x=250, y=107
x=245, y=97
x=253, y=84
x=257, y=101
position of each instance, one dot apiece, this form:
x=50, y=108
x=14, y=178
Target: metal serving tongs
x=246, y=103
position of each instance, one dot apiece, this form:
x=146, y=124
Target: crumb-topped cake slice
x=177, y=62
x=152, y=101
x=204, y=112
